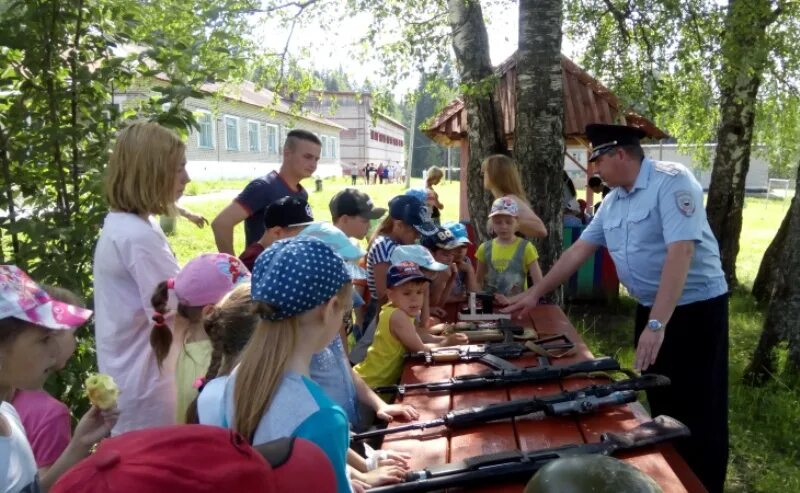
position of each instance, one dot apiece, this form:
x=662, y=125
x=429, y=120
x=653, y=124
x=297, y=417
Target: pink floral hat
x=23, y=299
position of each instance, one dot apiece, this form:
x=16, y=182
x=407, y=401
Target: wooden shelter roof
x=586, y=100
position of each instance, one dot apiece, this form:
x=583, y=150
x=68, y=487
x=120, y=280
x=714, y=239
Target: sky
x=331, y=49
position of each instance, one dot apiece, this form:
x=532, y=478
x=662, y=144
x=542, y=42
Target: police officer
x=654, y=225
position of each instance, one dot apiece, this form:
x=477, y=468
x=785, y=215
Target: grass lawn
x=765, y=452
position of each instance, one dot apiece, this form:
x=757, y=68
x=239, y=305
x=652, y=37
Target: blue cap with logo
x=413, y=212
x=334, y=238
x=459, y=232
x=296, y=275
x=443, y=239
x=417, y=254
x=402, y=273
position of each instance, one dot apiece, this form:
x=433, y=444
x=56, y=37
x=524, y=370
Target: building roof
x=247, y=92
x=392, y=120
x=365, y=96
x=586, y=100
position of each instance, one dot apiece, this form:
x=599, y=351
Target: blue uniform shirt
x=665, y=205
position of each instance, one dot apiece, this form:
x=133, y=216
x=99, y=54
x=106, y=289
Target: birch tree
x=539, y=140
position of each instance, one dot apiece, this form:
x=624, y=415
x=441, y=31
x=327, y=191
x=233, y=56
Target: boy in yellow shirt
x=396, y=333
x=505, y=262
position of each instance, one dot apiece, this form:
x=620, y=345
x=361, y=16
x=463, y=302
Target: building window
x=205, y=133
x=284, y=132
x=333, y=143
x=272, y=139
x=231, y=133
x=253, y=136
x=324, y=151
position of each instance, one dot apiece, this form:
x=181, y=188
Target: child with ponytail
x=301, y=290
x=198, y=287
x=229, y=325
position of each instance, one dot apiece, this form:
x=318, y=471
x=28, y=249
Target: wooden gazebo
x=586, y=100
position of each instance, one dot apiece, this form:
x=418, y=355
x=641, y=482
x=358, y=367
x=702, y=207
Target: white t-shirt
x=18, y=473
x=131, y=258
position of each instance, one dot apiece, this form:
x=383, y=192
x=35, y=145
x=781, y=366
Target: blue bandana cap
x=297, y=274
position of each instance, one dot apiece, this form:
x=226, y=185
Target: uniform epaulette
x=666, y=167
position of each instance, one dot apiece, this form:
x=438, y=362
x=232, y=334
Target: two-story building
x=364, y=140
x=242, y=130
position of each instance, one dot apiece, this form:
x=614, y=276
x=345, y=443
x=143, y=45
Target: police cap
x=605, y=137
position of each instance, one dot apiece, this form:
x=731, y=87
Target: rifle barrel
x=582, y=400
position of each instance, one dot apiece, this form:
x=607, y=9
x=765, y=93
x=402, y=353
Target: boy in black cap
x=655, y=228
x=283, y=218
x=352, y=210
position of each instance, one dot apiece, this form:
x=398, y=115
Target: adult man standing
x=654, y=225
x=300, y=156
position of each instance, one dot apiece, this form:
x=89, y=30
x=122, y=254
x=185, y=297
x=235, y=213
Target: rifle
x=517, y=464
x=502, y=378
x=493, y=355
x=581, y=401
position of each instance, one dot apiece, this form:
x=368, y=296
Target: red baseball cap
x=199, y=459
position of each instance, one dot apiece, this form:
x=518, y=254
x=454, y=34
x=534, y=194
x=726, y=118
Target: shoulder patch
x=685, y=202
x=666, y=168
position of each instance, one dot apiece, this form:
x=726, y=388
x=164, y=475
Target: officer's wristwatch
x=654, y=325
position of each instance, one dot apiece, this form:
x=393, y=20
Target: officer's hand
x=646, y=352
x=520, y=305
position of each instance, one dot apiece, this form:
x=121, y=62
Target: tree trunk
x=783, y=314
x=484, y=124
x=744, y=56
x=539, y=139
x=768, y=270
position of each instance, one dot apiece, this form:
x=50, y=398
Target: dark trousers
x=694, y=356
x=353, y=180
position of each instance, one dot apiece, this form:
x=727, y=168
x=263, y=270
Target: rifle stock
x=516, y=464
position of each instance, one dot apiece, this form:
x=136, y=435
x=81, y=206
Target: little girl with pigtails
x=200, y=285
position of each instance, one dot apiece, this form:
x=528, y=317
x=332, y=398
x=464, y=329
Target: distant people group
x=276, y=351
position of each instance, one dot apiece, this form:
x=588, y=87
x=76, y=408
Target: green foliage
x=61, y=63
x=660, y=57
x=664, y=59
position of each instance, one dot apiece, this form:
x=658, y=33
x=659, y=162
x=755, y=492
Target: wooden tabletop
x=439, y=445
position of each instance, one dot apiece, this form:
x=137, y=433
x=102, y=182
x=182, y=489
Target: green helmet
x=590, y=474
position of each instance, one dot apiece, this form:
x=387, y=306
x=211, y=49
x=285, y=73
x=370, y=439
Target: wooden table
x=438, y=446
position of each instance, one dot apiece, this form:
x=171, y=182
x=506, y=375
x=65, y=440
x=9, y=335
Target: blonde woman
x=145, y=176
x=501, y=178
x=434, y=177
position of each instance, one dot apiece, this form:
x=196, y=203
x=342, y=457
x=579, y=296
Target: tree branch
x=620, y=17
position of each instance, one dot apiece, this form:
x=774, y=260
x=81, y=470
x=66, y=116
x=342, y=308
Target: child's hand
x=395, y=458
x=389, y=412
x=94, y=426
x=464, y=265
x=439, y=313
x=453, y=269
x=359, y=486
x=385, y=475
x=455, y=339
